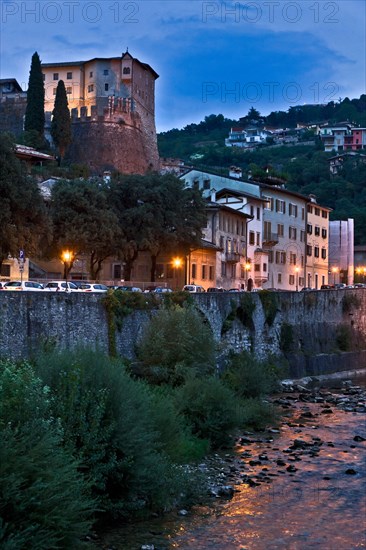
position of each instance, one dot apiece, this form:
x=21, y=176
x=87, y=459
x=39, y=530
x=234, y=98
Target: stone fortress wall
x=316, y=332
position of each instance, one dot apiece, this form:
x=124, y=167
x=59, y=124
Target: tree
x=156, y=213
x=34, y=114
x=61, y=122
x=24, y=221
x=84, y=222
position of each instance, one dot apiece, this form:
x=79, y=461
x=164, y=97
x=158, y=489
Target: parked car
x=23, y=285
x=61, y=286
x=307, y=289
x=161, y=289
x=2, y=286
x=327, y=287
x=359, y=285
x=129, y=288
x=78, y=283
x=215, y=289
x=93, y=287
x=193, y=288
x=340, y=285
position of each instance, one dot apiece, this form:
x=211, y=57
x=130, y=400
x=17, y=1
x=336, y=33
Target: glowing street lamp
x=297, y=269
x=247, y=267
x=177, y=264
x=67, y=257
x=335, y=270
x=361, y=271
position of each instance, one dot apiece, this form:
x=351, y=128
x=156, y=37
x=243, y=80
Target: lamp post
x=297, y=269
x=334, y=271
x=362, y=272
x=177, y=263
x=67, y=259
x=247, y=268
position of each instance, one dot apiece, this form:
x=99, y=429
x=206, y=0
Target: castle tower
x=113, y=112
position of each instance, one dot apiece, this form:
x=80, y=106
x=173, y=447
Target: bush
x=210, y=407
x=248, y=377
x=44, y=500
x=110, y=423
x=176, y=341
x=257, y=414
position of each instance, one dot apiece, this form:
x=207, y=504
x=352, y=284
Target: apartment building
x=316, y=271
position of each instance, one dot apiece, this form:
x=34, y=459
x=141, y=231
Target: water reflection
x=309, y=493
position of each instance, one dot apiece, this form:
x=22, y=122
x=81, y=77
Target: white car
x=61, y=286
x=193, y=288
x=23, y=285
x=92, y=287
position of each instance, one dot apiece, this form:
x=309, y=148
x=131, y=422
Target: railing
x=270, y=239
x=232, y=257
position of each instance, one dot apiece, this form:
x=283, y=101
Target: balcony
x=269, y=240
x=232, y=257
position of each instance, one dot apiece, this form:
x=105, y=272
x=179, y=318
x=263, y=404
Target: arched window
x=126, y=70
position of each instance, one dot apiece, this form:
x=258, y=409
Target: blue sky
x=212, y=56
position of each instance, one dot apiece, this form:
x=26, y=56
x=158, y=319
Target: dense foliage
x=34, y=114
x=44, y=501
x=61, y=121
x=24, y=222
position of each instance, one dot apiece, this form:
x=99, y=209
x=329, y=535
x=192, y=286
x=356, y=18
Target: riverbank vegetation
x=88, y=438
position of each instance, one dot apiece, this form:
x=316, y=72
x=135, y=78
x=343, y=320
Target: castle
x=112, y=104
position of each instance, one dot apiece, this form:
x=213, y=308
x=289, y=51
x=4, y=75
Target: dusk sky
x=212, y=57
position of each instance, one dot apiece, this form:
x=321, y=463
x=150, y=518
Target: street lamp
x=297, y=269
x=361, y=271
x=334, y=271
x=177, y=263
x=67, y=257
x=247, y=267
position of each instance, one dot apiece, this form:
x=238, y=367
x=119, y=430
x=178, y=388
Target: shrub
x=350, y=301
x=257, y=414
x=44, y=500
x=210, y=407
x=110, y=423
x=175, y=341
x=286, y=337
x=248, y=377
x=270, y=305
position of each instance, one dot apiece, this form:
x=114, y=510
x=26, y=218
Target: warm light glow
x=247, y=266
x=177, y=262
x=297, y=269
x=335, y=269
x=66, y=256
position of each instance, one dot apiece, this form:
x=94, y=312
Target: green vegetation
x=243, y=312
x=34, y=114
x=24, y=222
x=176, y=342
x=344, y=337
x=270, y=305
x=44, y=497
x=286, y=337
x=61, y=121
x=350, y=302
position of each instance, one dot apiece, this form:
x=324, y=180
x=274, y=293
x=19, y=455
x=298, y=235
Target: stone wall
x=317, y=332
x=12, y=112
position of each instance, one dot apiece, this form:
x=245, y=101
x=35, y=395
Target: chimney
x=213, y=195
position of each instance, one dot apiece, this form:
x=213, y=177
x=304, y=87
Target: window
x=106, y=72
x=279, y=277
x=251, y=237
x=252, y=211
x=292, y=210
x=106, y=87
x=126, y=70
x=54, y=91
x=280, y=206
x=324, y=214
x=270, y=256
x=258, y=213
x=194, y=271
x=69, y=76
x=257, y=268
x=90, y=88
x=221, y=242
x=258, y=241
x=265, y=267
x=303, y=213
x=204, y=271
x=69, y=90
x=117, y=271
x=292, y=233
x=317, y=211
x=206, y=184
x=317, y=230
x=91, y=74
x=268, y=205
x=211, y=272
x=292, y=258
x=316, y=251
x=324, y=233
x=55, y=76
x=44, y=77
x=280, y=229
x=223, y=269
x=302, y=236
x=291, y=279
x=310, y=209
x=309, y=250
x=324, y=253
x=309, y=228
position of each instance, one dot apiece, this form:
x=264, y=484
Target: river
x=303, y=488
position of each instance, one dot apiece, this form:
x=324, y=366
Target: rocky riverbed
x=299, y=486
